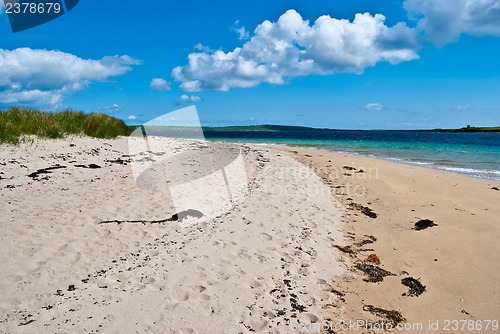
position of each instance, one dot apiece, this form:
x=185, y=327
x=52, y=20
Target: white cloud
x=189, y=98
x=34, y=96
x=204, y=48
x=462, y=107
x=191, y=86
x=292, y=47
x=443, y=21
x=43, y=77
x=243, y=34
x=113, y=108
x=159, y=84
x=373, y=106
x=132, y=117
x=109, y=109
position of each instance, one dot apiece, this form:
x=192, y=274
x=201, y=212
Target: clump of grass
x=18, y=123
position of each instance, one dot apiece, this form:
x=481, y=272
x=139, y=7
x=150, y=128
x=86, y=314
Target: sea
x=474, y=154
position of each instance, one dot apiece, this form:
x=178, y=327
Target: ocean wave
x=471, y=170
x=452, y=166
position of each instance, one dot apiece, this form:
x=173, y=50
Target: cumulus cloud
x=159, y=84
x=44, y=77
x=132, y=117
x=443, y=21
x=189, y=98
x=292, y=47
x=373, y=106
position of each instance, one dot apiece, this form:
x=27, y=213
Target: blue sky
x=336, y=64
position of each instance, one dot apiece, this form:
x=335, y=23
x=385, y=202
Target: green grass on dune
x=17, y=123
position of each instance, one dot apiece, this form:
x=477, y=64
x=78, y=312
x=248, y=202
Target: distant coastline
x=471, y=150
x=290, y=128
x=269, y=127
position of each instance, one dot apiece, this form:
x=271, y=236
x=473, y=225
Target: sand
x=96, y=238
x=457, y=260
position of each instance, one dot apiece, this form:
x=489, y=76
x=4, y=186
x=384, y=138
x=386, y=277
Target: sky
x=358, y=64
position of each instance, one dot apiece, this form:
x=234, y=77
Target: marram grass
x=18, y=123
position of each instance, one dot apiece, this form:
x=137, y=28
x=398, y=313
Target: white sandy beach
x=87, y=248
x=264, y=265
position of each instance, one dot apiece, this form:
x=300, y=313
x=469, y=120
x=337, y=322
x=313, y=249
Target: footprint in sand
x=303, y=271
x=311, y=317
x=205, y=297
x=223, y=276
x=152, y=253
x=148, y=280
x=219, y=244
x=311, y=224
x=15, y=278
x=286, y=257
x=180, y=296
x=323, y=296
x=243, y=254
x=199, y=288
x=29, y=252
x=265, y=237
x=155, y=286
x=255, y=284
x=267, y=313
x=261, y=258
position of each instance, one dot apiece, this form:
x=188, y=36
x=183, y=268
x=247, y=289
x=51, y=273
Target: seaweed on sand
x=374, y=274
x=344, y=249
x=423, y=224
x=364, y=210
x=36, y=175
x=416, y=287
x=394, y=317
x=180, y=216
x=373, y=258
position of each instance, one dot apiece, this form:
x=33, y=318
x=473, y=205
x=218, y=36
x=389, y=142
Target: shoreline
x=86, y=247
x=445, y=258
x=460, y=170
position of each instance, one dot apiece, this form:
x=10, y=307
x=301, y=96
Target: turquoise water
x=474, y=154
